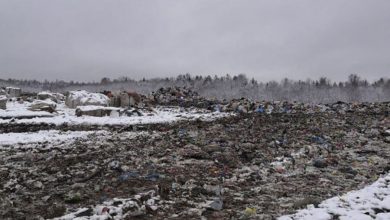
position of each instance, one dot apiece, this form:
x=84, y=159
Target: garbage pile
x=244, y=105
x=184, y=97
x=249, y=166
x=179, y=96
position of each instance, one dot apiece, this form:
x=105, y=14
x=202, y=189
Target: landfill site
x=173, y=154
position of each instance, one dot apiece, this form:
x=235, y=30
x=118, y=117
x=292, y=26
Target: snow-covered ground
x=51, y=136
x=371, y=202
x=67, y=115
x=15, y=109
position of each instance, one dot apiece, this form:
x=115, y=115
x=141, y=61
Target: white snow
x=47, y=102
x=43, y=136
x=38, y=104
x=371, y=202
x=50, y=93
x=67, y=115
x=11, y=87
x=94, y=107
x=15, y=109
x=82, y=97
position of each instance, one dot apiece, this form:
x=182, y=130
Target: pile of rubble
x=178, y=96
x=172, y=95
x=249, y=166
x=184, y=97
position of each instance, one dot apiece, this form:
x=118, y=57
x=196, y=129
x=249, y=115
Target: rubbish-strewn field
x=192, y=163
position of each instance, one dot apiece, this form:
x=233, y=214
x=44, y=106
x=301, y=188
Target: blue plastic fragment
x=127, y=175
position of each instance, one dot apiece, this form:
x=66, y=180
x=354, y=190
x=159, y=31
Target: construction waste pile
x=271, y=160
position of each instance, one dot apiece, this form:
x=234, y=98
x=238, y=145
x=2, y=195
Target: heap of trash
x=262, y=164
x=179, y=96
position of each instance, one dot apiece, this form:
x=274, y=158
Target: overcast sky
x=85, y=40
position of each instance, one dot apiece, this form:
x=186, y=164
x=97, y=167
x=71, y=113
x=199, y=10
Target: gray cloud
x=89, y=39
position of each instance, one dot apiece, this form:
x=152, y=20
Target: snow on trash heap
x=371, y=202
x=83, y=98
x=43, y=105
x=55, y=97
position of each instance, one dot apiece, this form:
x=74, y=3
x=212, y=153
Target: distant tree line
x=323, y=90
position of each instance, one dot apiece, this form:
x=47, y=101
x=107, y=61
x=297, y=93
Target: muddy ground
x=273, y=164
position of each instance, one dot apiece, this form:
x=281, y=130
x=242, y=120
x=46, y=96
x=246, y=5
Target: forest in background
x=322, y=90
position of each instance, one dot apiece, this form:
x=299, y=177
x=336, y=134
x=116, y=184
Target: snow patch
x=15, y=109
x=371, y=202
x=82, y=97
x=67, y=115
x=43, y=136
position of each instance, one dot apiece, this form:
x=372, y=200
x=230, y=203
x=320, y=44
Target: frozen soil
x=252, y=166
